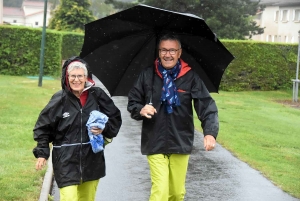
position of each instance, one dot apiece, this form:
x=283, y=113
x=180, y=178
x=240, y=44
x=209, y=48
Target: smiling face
x=77, y=80
x=169, y=53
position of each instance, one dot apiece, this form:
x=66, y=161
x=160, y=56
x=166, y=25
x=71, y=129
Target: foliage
x=100, y=9
x=71, y=44
x=259, y=66
x=20, y=51
x=71, y=15
x=229, y=19
x=120, y=5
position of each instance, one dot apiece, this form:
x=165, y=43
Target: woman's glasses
x=73, y=77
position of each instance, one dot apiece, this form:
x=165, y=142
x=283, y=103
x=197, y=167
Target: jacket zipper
x=80, y=165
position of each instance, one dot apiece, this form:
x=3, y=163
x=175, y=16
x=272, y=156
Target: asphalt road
x=212, y=176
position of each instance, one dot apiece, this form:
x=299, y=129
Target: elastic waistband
x=68, y=145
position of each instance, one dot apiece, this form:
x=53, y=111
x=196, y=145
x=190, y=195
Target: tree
x=100, y=9
x=71, y=15
x=230, y=19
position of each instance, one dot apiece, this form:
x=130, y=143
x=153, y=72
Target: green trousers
x=168, y=174
x=83, y=192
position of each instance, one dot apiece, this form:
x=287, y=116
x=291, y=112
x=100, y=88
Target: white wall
x=10, y=19
x=278, y=31
x=39, y=18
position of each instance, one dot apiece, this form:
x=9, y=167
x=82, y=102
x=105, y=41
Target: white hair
x=77, y=65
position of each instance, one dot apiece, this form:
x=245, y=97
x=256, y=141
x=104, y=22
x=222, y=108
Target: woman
x=77, y=169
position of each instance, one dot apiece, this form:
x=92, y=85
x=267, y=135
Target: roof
x=33, y=3
x=280, y=2
x=12, y=11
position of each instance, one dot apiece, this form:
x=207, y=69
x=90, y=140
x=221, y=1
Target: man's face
x=169, y=53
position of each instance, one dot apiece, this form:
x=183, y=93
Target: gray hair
x=77, y=65
x=169, y=37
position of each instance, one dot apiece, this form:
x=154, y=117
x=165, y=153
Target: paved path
x=212, y=176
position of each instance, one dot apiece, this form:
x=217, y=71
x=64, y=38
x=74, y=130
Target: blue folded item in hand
x=96, y=119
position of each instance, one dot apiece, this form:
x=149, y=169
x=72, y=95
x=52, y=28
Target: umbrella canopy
x=117, y=47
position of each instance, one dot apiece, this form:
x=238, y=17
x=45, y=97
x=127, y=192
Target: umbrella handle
x=150, y=102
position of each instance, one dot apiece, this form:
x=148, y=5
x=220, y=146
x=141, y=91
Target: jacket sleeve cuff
x=41, y=152
x=212, y=134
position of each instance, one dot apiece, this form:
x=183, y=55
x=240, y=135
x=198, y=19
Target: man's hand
x=41, y=162
x=209, y=142
x=148, y=111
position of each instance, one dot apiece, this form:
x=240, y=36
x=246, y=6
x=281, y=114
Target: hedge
x=257, y=65
x=260, y=66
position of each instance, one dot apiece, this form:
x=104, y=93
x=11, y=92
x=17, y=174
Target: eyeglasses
x=171, y=51
x=73, y=77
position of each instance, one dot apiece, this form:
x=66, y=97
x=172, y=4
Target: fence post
x=296, y=81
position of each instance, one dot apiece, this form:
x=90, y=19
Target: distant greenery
x=257, y=65
x=71, y=15
x=229, y=19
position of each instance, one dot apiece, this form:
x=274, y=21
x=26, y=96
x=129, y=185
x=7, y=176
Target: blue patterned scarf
x=169, y=95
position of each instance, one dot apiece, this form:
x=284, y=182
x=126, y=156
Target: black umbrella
x=117, y=47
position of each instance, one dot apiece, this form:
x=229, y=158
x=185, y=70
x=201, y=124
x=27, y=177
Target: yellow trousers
x=83, y=192
x=168, y=174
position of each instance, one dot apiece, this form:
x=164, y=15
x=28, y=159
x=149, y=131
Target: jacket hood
x=64, y=77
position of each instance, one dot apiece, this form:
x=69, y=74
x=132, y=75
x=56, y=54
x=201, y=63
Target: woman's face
x=77, y=80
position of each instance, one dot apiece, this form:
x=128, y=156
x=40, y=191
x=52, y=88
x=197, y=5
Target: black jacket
x=63, y=122
x=172, y=133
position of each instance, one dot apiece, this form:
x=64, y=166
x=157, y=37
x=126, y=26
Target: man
x=163, y=98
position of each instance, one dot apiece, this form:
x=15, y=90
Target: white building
x=30, y=14
x=281, y=19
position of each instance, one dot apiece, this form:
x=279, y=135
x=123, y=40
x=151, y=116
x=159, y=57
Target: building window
x=284, y=15
x=269, y=38
x=296, y=17
x=15, y=21
x=286, y=39
x=276, y=17
x=36, y=23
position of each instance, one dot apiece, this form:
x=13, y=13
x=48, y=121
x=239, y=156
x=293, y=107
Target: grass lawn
x=255, y=128
x=262, y=132
x=20, y=104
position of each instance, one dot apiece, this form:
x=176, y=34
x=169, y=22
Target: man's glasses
x=171, y=51
x=73, y=77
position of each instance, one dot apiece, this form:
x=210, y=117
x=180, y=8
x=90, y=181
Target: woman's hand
x=41, y=162
x=96, y=131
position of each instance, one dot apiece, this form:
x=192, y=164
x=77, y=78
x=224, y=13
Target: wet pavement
x=212, y=176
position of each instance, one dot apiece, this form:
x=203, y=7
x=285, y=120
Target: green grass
x=255, y=128
x=263, y=133
x=20, y=103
